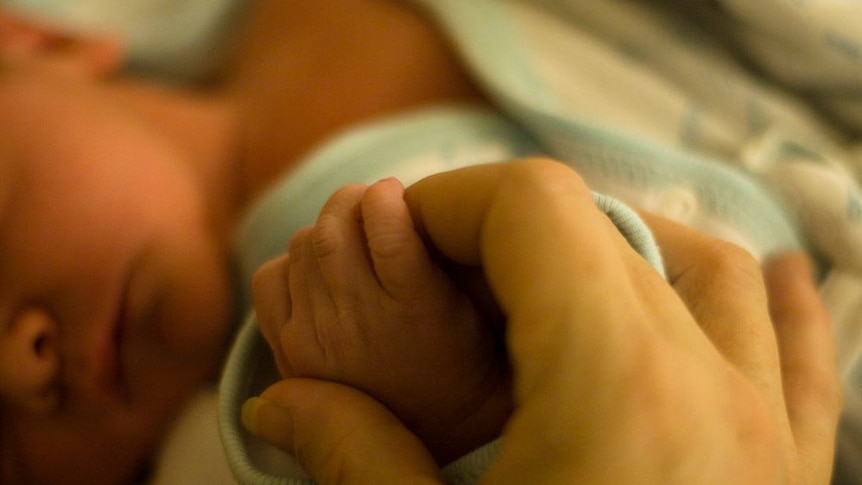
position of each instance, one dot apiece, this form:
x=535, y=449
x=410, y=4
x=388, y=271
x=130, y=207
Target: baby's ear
x=30, y=42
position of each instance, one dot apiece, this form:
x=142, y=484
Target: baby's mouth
x=125, y=318
x=110, y=374
x=117, y=381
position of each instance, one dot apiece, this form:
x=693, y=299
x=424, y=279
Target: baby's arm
x=358, y=300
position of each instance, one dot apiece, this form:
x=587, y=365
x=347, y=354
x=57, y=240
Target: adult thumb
x=339, y=434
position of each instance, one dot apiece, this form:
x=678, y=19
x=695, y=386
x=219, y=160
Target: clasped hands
x=723, y=373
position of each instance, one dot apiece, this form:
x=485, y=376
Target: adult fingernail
x=269, y=421
x=250, y=415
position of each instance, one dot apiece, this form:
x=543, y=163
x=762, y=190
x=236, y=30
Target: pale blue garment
x=409, y=147
x=812, y=45
x=585, y=78
x=180, y=40
x=652, y=107
x=646, y=107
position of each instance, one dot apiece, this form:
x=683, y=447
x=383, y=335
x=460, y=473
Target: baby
x=116, y=293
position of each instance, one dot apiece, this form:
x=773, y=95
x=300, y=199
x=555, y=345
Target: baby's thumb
x=338, y=434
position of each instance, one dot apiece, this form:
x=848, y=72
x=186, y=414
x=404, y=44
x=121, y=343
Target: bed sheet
x=192, y=452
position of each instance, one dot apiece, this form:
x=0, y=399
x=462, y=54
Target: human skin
x=724, y=373
x=359, y=300
x=307, y=70
x=114, y=289
x=151, y=180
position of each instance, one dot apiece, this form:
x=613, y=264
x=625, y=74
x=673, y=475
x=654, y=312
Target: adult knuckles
x=723, y=268
x=730, y=262
x=544, y=175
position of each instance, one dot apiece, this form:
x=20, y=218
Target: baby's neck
x=309, y=70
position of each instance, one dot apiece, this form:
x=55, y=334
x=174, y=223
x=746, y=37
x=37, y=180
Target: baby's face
x=114, y=295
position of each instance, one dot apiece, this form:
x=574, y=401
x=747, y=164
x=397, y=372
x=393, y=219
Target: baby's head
x=115, y=297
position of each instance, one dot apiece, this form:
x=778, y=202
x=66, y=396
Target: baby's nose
x=30, y=360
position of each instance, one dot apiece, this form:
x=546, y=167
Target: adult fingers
x=722, y=286
x=338, y=434
x=541, y=283
x=811, y=386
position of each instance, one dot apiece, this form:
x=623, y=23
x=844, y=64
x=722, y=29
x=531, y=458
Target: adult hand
x=724, y=374
x=339, y=434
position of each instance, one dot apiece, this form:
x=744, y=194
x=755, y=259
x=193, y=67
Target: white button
x=678, y=203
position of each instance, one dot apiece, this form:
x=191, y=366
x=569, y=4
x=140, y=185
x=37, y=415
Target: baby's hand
x=359, y=301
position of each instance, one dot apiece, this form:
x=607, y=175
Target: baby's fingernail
x=389, y=180
x=250, y=414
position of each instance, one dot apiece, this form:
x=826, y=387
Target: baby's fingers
x=338, y=246
x=811, y=384
x=272, y=303
x=401, y=261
